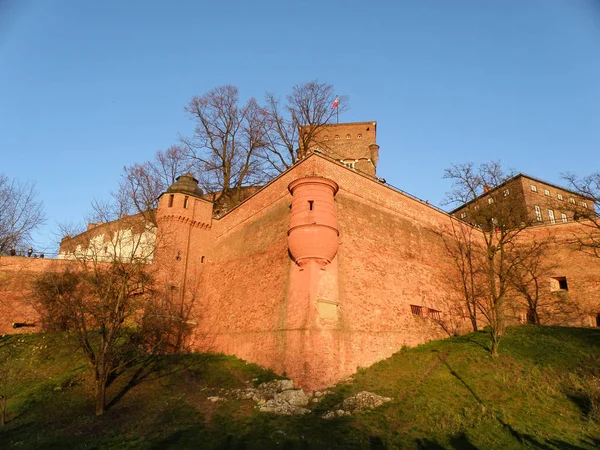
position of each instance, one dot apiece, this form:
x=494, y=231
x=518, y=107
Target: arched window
x=347, y=136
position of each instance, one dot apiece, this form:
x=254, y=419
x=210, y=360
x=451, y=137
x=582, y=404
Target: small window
x=186, y=202
x=559, y=284
x=337, y=136
x=347, y=136
x=572, y=200
x=533, y=188
x=463, y=214
x=538, y=213
x=584, y=204
x=416, y=310
x=476, y=207
x=506, y=192
x=359, y=136
x=546, y=192
x=326, y=138
x=434, y=314
x=349, y=164
x=171, y=197
x=559, y=196
x=490, y=200
x=551, y=216
x=563, y=217
x=310, y=205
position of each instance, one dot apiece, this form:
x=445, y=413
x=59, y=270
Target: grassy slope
x=447, y=394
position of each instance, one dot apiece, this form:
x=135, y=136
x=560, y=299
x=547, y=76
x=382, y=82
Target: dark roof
x=186, y=184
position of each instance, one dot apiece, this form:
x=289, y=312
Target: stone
x=295, y=397
x=363, y=401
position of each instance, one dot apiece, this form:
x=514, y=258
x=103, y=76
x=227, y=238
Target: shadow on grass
x=522, y=438
x=154, y=368
x=473, y=338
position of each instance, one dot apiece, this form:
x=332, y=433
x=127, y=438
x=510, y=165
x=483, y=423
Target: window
x=559, y=284
x=310, y=205
x=463, y=214
x=506, y=192
x=186, y=202
x=563, y=217
x=490, y=200
x=538, y=213
x=551, y=216
x=434, y=314
x=416, y=310
x=347, y=136
x=349, y=164
x=476, y=207
x=546, y=192
x=326, y=138
x=584, y=204
x=425, y=312
x=337, y=136
x=559, y=196
x=171, y=197
x=533, y=188
x=359, y=136
x=572, y=200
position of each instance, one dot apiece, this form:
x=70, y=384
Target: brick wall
x=16, y=277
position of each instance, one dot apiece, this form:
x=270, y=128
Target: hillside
x=542, y=392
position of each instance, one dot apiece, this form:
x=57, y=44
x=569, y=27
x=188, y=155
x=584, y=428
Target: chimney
x=486, y=188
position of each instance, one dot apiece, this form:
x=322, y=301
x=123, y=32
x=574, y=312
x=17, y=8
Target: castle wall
x=241, y=306
x=256, y=303
x=16, y=277
x=579, y=305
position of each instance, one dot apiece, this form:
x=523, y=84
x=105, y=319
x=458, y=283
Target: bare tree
x=20, y=212
x=589, y=216
x=226, y=141
x=500, y=219
x=309, y=106
x=142, y=183
x=109, y=302
x=532, y=265
x=460, y=241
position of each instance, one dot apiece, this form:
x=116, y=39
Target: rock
x=295, y=397
x=216, y=399
x=363, y=401
x=283, y=408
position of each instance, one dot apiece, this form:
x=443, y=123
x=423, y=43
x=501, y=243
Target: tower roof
x=186, y=184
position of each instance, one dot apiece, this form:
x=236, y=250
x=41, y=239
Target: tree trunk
x=3, y=401
x=495, y=342
x=100, y=396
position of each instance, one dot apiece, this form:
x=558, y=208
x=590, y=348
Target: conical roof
x=186, y=184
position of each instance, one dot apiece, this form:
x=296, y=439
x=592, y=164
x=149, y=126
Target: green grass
x=542, y=392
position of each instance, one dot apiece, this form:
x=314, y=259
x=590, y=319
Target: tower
x=352, y=144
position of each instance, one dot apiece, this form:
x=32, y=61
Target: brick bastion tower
x=314, y=275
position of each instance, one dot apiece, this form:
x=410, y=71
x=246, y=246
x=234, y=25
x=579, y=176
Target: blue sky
x=88, y=87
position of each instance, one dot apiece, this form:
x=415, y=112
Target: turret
x=313, y=233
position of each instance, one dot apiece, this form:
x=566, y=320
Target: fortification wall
x=254, y=302
x=16, y=277
x=579, y=304
x=242, y=298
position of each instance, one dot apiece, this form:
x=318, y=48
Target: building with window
x=530, y=200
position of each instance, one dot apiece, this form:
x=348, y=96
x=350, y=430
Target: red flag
x=336, y=103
